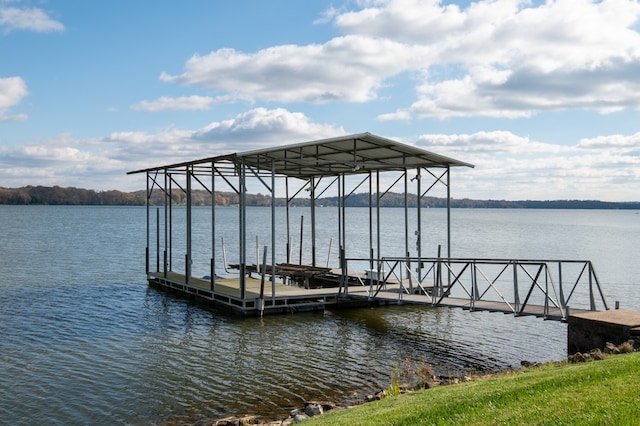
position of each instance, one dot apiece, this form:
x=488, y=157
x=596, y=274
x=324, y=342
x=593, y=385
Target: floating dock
x=319, y=288
x=226, y=295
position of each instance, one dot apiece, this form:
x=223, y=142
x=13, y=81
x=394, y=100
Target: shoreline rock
x=318, y=408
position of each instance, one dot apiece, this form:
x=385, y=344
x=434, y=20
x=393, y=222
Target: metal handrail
x=533, y=278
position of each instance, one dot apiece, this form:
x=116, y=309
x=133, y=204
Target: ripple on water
x=84, y=354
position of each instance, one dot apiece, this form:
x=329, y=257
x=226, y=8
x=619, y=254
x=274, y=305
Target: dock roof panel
x=349, y=154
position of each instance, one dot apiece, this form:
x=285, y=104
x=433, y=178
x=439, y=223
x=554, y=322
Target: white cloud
x=27, y=19
x=612, y=142
x=511, y=59
x=12, y=90
x=260, y=127
x=165, y=103
x=347, y=69
x=487, y=143
x=327, y=16
x=102, y=163
x=507, y=166
x=514, y=58
x=516, y=168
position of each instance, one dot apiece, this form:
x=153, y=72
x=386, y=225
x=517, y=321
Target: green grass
x=597, y=393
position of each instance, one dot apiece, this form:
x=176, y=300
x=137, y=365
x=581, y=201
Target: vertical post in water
x=448, y=212
x=286, y=190
x=449, y=223
x=419, y=224
x=377, y=272
x=166, y=202
x=343, y=213
x=273, y=229
x=313, y=221
x=170, y=224
x=243, y=229
x=157, y=239
x=370, y=221
x=213, y=227
x=340, y=235
x=406, y=226
x=406, y=213
x=187, y=261
x=301, y=236
x=148, y=218
x=343, y=269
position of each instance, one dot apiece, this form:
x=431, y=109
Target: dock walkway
x=281, y=298
x=552, y=313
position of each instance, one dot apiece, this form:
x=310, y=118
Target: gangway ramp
x=551, y=289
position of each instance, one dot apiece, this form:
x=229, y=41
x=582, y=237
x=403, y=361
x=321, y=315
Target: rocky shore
x=316, y=408
x=414, y=377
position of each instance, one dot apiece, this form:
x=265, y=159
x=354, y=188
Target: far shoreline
x=71, y=196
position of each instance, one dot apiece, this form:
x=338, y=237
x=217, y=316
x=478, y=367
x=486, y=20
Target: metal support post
x=189, y=224
x=516, y=297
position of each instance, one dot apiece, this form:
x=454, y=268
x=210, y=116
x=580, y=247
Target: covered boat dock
x=273, y=281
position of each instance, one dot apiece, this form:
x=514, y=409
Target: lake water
x=84, y=340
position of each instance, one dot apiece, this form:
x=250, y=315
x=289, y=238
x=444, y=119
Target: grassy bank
x=596, y=393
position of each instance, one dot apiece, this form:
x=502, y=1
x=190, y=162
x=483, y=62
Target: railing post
x=401, y=288
x=409, y=269
x=158, y=239
x=474, y=277
x=591, y=297
x=563, y=303
x=263, y=272
x=516, y=296
x=474, y=290
x=438, y=284
x=546, y=290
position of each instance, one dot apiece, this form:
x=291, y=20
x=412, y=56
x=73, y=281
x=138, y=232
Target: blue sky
x=544, y=98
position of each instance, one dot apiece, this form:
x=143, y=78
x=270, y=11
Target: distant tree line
x=56, y=195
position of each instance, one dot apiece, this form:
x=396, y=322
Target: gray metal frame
x=336, y=159
x=540, y=287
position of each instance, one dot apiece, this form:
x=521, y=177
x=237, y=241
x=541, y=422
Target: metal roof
x=351, y=154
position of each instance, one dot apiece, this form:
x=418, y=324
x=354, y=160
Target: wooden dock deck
x=290, y=298
x=226, y=293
